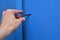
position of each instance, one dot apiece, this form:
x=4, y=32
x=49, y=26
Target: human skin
x=9, y=22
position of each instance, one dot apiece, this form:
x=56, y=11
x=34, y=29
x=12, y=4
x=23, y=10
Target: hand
x=10, y=22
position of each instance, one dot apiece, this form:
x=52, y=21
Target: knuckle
x=9, y=9
x=4, y=11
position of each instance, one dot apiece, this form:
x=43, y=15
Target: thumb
x=21, y=19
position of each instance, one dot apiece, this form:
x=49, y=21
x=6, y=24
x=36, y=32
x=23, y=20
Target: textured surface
x=44, y=24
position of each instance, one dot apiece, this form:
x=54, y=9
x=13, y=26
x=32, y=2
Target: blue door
x=12, y=4
x=44, y=23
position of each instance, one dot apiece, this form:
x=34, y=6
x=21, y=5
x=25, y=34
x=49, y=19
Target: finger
x=16, y=26
x=14, y=11
x=21, y=19
x=17, y=23
x=3, y=13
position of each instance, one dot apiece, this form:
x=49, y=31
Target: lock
x=23, y=14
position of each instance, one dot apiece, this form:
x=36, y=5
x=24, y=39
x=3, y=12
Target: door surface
x=44, y=23
x=12, y=4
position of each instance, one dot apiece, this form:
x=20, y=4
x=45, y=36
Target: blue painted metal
x=19, y=30
x=44, y=24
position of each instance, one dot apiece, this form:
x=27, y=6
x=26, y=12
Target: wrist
x=1, y=36
x=2, y=33
x=2, y=39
